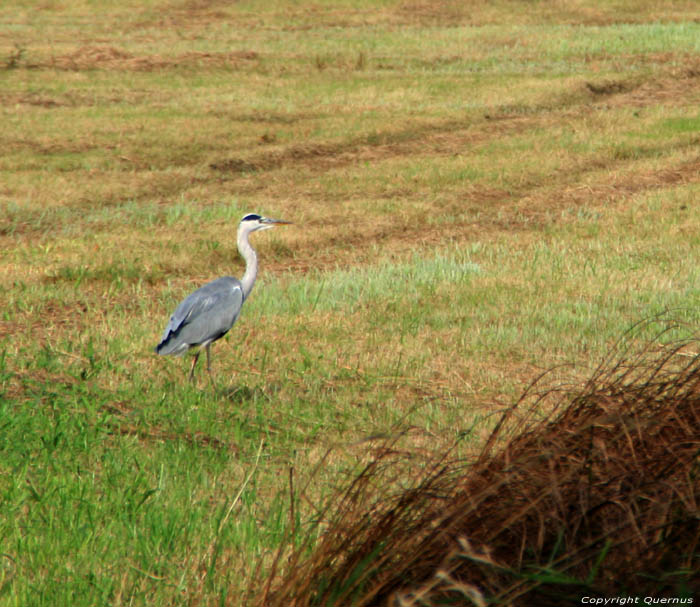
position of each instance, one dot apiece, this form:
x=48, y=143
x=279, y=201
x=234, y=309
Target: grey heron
x=208, y=313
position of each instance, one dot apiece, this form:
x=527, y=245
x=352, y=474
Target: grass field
x=480, y=192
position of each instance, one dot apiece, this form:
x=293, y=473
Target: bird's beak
x=281, y=221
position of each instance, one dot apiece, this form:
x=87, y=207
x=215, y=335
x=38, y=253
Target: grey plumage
x=207, y=314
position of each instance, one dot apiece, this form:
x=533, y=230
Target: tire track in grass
x=441, y=138
x=451, y=136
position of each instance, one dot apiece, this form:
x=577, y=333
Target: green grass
x=479, y=195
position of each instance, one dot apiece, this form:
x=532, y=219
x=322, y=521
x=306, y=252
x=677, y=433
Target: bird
x=208, y=313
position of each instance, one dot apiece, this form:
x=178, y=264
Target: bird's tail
x=169, y=346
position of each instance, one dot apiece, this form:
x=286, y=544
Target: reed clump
x=597, y=497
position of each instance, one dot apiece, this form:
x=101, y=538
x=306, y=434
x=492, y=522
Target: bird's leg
x=195, y=358
x=209, y=362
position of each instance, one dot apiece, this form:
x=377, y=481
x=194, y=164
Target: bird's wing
x=203, y=316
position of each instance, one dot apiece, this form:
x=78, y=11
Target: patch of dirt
x=609, y=87
x=681, y=87
x=50, y=148
x=435, y=12
x=111, y=58
x=190, y=13
x=71, y=98
x=269, y=117
x=234, y=165
x=34, y=99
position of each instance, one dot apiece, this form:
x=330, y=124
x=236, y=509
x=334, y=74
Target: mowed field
x=480, y=192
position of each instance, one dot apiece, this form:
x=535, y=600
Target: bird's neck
x=251, y=264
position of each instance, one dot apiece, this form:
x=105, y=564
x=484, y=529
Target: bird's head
x=253, y=222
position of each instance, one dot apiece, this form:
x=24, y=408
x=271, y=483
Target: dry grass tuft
x=599, y=497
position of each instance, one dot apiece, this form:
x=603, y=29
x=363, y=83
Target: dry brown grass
x=267, y=174
x=598, y=497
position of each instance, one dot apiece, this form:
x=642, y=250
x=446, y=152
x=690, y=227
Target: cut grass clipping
x=599, y=497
